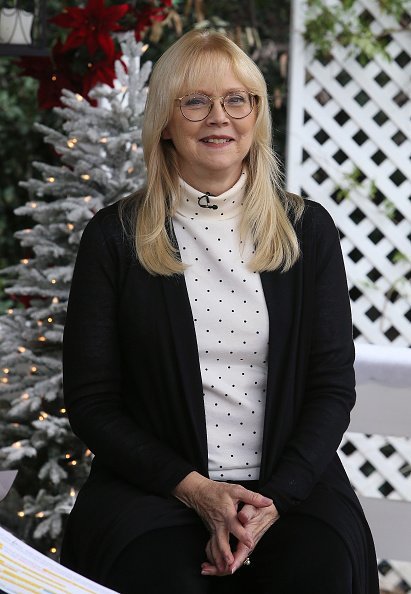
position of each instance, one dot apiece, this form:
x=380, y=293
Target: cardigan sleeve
x=329, y=385
x=92, y=370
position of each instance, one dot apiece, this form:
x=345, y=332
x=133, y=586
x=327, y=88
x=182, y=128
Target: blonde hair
x=196, y=56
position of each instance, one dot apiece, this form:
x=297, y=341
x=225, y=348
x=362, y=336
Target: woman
x=208, y=359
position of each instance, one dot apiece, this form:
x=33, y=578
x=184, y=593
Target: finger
x=241, y=533
x=254, y=498
x=240, y=555
x=223, y=555
x=209, y=553
x=211, y=570
x=247, y=513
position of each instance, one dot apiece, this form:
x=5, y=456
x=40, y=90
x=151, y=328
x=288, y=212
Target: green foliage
x=342, y=23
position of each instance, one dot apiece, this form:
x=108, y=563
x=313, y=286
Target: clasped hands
x=217, y=503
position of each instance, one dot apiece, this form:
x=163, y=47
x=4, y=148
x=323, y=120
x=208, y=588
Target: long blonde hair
x=196, y=56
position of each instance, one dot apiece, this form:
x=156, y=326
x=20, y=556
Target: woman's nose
x=217, y=114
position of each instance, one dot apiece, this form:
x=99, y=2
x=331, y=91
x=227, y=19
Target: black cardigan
x=133, y=393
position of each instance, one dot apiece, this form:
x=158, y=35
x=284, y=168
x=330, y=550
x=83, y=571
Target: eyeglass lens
x=197, y=106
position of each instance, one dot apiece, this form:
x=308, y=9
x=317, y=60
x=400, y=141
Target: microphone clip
x=204, y=201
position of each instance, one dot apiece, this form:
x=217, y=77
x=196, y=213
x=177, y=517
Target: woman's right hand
x=217, y=505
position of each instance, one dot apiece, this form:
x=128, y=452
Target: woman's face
x=215, y=147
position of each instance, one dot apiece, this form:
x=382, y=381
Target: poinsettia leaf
x=106, y=43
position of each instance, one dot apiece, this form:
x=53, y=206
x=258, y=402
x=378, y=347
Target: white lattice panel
x=346, y=117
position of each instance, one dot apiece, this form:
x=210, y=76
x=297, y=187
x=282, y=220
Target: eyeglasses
x=196, y=106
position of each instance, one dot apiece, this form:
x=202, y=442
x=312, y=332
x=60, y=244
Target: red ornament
x=91, y=26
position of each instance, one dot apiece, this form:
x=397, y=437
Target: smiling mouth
x=217, y=140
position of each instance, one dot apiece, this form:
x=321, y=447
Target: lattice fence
x=349, y=132
x=349, y=147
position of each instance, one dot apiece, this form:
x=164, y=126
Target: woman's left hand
x=257, y=521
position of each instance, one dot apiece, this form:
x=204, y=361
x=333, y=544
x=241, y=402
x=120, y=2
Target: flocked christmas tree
x=101, y=162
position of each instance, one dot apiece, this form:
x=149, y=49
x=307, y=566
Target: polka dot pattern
x=231, y=323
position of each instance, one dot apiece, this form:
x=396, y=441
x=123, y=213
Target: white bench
x=384, y=408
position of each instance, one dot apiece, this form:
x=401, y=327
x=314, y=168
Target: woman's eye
x=236, y=100
x=196, y=101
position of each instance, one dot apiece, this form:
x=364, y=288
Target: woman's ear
x=165, y=135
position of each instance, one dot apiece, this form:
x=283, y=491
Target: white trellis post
x=350, y=119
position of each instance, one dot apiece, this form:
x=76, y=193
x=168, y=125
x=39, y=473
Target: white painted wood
x=390, y=523
x=383, y=410
x=373, y=460
x=317, y=96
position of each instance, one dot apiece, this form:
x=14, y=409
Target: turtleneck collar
x=229, y=203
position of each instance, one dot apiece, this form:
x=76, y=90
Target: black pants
x=297, y=555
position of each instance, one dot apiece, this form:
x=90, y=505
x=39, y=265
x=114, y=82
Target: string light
x=103, y=140
x=49, y=320
x=40, y=515
x=72, y=492
x=6, y=370
x=10, y=311
x=55, y=300
x=53, y=550
x=16, y=444
x=21, y=349
x=33, y=369
x=21, y=514
x=34, y=204
x=25, y=396
x=42, y=339
x=39, y=322
x=79, y=97
x=73, y=462
x=54, y=78
x=26, y=230
x=85, y=176
x=53, y=281
x=51, y=179
x=63, y=411
x=87, y=198
x=130, y=170
x=25, y=261
x=70, y=226
x=4, y=380
x=88, y=452
x=68, y=456
x=70, y=144
x=134, y=147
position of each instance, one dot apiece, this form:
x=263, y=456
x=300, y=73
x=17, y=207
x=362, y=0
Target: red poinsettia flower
x=91, y=26
x=53, y=74
x=101, y=71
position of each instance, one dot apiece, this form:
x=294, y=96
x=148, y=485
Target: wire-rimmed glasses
x=196, y=106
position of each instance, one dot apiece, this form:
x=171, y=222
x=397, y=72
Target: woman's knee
x=303, y=556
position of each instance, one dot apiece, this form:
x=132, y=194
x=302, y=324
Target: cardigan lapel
x=185, y=342
x=282, y=294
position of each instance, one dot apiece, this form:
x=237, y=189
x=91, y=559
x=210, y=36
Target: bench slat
x=390, y=523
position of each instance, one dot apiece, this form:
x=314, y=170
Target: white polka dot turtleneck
x=231, y=324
